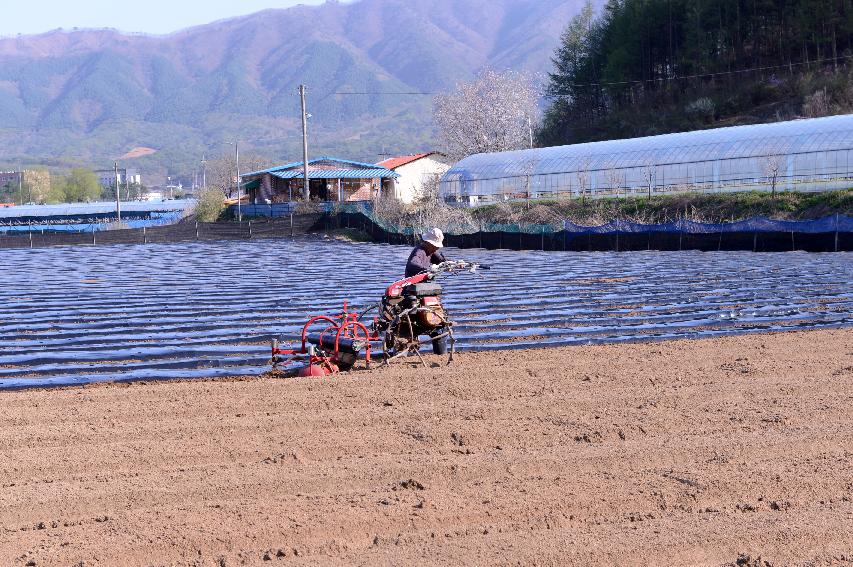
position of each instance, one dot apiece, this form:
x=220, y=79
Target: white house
x=107, y=177
x=416, y=171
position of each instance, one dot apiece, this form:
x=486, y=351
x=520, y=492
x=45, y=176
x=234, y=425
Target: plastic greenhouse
x=800, y=155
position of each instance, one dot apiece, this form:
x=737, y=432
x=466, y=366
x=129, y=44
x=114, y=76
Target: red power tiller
x=410, y=308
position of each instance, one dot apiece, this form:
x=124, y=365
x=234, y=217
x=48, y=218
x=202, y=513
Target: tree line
x=698, y=62
x=80, y=185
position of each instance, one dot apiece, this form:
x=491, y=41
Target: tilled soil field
x=722, y=451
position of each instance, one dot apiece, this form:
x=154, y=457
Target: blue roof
x=354, y=164
x=373, y=173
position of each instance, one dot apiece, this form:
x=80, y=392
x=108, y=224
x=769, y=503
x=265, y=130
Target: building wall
x=413, y=176
x=8, y=178
x=107, y=177
x=275, y=190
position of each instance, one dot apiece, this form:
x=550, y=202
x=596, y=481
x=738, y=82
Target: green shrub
x=210, y=204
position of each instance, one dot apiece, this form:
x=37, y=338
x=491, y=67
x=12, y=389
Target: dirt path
x=694, y=452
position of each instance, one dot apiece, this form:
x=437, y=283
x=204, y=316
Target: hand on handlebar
x=458, y=266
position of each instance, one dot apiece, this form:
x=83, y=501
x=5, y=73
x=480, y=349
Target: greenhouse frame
x=800, y=155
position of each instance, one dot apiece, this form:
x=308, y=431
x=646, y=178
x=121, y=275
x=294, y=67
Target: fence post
x=144, y=236
x=31, y=237
x=196, y=230
x=836, y=232
x=543, y=239
x=94, y=240
x=250, y=230
x=754, y=241
x=793, y=246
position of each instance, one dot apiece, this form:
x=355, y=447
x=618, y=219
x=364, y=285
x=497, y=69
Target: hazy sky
x=149, y=16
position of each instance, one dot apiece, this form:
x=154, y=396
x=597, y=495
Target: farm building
x=417, y=172
x=329, y=179
x=800, y=155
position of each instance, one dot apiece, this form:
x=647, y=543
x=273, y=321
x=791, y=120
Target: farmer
x=426, y=253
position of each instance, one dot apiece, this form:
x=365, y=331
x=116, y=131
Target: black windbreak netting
x=832, y=223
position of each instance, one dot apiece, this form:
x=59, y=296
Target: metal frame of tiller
x=338, y=344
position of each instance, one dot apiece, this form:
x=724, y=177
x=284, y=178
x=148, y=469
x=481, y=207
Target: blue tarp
x=154, y=219
x=81, y=209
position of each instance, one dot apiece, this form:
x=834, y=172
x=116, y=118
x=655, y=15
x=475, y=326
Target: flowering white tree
x=495, y=112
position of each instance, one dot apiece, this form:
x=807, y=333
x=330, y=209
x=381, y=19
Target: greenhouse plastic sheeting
x=802, y=155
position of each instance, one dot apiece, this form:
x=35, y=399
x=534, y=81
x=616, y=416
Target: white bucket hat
x=435, y=237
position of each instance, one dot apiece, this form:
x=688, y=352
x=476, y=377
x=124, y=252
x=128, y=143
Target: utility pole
x=530, y=130
x=21, y=184
x=237, y=155
x=306, y=194
x=126, y=185
x=203, y=172
x=118, y=195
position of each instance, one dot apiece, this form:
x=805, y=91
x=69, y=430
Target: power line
x=708, y=75
x=379, y=93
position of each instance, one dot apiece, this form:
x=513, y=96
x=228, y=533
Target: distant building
x=107, y=177
x=8, y=178
x=36, y=182
x=418, y=172
x=329, y=179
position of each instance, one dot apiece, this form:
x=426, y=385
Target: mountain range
x=87, y=97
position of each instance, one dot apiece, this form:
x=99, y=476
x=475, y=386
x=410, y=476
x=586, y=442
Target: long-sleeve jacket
x=420, y=261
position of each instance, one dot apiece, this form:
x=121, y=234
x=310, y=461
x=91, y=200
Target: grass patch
x=701, y=207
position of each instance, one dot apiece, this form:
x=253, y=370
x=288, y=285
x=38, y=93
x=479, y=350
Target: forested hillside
x=644, y=67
